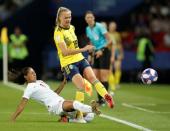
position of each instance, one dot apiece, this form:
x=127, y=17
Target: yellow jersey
x=115, y=37
x=70, y=39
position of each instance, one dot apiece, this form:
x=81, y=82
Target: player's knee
x=91, y=79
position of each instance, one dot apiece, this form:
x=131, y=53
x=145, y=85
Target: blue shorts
x=75, y=68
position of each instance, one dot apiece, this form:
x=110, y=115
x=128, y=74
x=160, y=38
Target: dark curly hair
x=17, y=76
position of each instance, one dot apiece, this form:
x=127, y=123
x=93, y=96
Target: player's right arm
x=66, y=51
x=19, y=109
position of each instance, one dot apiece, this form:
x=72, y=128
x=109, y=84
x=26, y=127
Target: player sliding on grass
x=41, y=92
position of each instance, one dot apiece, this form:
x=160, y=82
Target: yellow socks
x=80, y=98
x=88, y=87
x=117, y=76
x=100, y=88
x=111, y=81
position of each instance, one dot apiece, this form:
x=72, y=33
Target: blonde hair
x=60, y=10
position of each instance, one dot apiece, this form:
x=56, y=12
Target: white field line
x=143, y=109
x=15, y=86
x=125, y=123
x=144, y=104
x=102, y=115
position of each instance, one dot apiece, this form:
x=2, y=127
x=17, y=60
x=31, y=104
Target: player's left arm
x=61, y=86
x=121, y=52
x=19, y=109
x=120, y=46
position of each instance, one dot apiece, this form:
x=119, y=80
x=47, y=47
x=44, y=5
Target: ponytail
x=17, y=76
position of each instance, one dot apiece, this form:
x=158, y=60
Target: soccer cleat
x=109, y=100
x=63, y=119
x=95, y=106
x=77, y=120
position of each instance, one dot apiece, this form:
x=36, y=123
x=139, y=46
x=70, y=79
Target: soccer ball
x=149, y=75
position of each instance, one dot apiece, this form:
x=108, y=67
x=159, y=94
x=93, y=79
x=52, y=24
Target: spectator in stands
x=167, y=38
x=7, y=7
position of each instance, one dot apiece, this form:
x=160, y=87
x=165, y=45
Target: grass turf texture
x=154, y=99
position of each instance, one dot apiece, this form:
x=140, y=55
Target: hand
x=89, y=48
x=120, y=57
x=99, y=53
x=91, y=51
x=89, y=58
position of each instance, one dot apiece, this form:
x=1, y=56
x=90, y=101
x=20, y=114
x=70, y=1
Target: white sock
x=82, y=107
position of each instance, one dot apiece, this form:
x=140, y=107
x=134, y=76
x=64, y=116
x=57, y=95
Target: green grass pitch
x=144, y=105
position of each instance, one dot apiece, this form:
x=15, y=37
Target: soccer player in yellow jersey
x=118, y=49
x=72, y=61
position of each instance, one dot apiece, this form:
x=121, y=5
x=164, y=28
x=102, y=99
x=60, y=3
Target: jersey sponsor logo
x=71, y=67
x=76, y=43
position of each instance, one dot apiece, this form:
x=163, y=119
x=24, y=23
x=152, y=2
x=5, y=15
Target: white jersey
x=41, y=92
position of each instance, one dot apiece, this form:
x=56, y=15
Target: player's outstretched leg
x=103, y=92
x=86, y=108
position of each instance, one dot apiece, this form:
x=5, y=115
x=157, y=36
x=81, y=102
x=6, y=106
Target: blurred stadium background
x=36, y=18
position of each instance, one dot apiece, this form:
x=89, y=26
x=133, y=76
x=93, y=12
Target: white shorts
x=56, y=107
